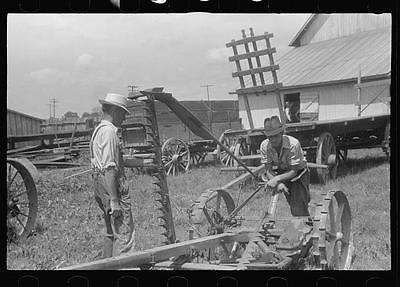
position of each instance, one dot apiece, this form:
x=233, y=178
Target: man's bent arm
x=286, y=176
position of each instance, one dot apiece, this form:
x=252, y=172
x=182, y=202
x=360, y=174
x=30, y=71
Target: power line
x=52, y=104
x=209, y=106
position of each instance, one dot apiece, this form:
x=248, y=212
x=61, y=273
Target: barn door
x=309, y=107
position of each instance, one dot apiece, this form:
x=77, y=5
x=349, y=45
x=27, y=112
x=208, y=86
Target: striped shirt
x=290, y=156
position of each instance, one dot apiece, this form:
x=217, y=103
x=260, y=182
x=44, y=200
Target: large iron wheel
x=21, y=198
x=230, y=142
x=333, y=245
x=209, y=209
x=175, y=156
x=326, y=154
x=207, y=215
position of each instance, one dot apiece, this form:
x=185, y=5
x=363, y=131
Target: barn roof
x=25, y=115
x=337, y=60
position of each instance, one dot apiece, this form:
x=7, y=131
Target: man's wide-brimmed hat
x=116, y=100
x=272, y=126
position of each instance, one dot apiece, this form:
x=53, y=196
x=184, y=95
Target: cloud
x=53, y=21
x=218, y=54
x=84, y=61
x=48, y=75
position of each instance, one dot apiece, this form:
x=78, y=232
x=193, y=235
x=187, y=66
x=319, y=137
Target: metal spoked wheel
x=333, y=244
x=175, y=156
x=21, y=198
x=207, y=215
x=229, y=142
x=326, y=154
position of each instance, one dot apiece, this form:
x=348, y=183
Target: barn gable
x=320, y=72
x=321, y=27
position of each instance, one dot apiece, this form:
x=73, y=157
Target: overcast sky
x=78, y=58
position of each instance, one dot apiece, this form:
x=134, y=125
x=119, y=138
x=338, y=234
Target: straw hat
x=116, y=100
x=272, y=126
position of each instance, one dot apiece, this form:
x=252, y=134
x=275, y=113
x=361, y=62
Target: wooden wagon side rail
x=334, y=126
x=48, y=136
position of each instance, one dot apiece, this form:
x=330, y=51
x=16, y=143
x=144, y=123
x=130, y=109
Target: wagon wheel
x=222, y=155
x=386, y=141
x=333, y=248
x=198, y=157
x=207, y=215
x=175, y=156
x=21, y=197
x=326, y=154
x=239, y=151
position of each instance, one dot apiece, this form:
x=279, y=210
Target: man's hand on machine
x=272, y=183
x=282, y=188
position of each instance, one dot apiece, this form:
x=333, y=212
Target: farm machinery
x=218, y=238
x=21, y=197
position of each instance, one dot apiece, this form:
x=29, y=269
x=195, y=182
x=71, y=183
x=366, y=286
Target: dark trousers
x=299, y=194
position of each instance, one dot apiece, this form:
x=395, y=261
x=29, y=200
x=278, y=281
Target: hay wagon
x=181, y=148
x=324, y=131
x=217, y=239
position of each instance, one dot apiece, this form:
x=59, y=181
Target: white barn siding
x=261, y=106
x=331, y=26
x=335, y=102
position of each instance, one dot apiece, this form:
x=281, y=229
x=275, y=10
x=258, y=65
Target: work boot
x=108, y=247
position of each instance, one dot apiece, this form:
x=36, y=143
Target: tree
x=70, y=115
x=96, y=112
x=85, y=115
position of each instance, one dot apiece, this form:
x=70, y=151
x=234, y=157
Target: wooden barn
x=330, y=54
x=22, y=124
x=218, y=116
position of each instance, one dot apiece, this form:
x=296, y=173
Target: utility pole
x=209, y=106
x=132, y=89
x=52, y=104
x=49, y=104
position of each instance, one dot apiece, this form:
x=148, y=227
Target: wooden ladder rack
x=256, y=88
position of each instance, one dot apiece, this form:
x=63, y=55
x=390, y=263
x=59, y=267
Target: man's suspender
x=93, y=137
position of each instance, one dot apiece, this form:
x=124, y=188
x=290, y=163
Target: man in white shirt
x=110, y=189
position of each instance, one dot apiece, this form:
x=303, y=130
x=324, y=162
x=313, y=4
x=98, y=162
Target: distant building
x=320, y=73
x=22, y=124
x=218, y=116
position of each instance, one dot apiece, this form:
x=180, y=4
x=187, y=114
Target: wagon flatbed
x=335, y=126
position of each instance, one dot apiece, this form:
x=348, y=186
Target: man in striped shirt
x=291, y=175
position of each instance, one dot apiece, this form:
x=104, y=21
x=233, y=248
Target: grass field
x=69, y=227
